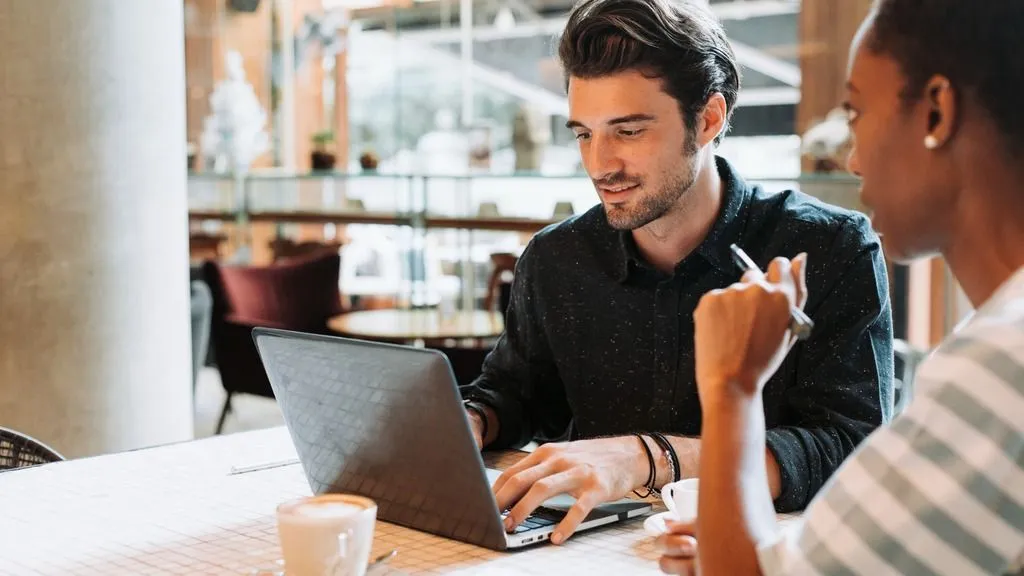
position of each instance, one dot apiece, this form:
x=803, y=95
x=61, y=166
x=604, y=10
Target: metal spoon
x=382, y=559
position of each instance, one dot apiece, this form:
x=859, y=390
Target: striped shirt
x=940, y=490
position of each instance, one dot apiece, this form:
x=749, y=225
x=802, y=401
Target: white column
x=466, y=43
x=94, y=304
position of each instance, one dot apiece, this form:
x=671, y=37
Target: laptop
x=387, y=422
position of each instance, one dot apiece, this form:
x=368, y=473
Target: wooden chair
x=501, y=262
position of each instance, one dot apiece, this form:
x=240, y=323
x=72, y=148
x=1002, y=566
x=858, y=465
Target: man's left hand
x=592, y=471
x=678, y=549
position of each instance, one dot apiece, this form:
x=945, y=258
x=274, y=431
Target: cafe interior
x=177, y=173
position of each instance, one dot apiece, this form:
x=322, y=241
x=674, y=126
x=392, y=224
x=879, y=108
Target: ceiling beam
x=767, y=64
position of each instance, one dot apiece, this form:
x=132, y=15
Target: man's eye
x=631, y=133
x=582, y=136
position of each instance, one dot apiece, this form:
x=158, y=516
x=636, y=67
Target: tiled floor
x=250, y=412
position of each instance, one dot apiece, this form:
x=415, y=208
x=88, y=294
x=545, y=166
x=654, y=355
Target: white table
x=178, y=510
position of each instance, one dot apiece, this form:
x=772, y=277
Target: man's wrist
x=478, y=416
x=484, y=420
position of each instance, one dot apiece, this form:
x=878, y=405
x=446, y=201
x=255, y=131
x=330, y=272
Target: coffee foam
x=327, y=509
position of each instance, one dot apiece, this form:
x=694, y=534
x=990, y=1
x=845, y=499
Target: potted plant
x=322, y=158
x=368, y=160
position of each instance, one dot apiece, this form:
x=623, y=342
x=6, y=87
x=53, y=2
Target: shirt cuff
x=788, y=449
x=508, y=414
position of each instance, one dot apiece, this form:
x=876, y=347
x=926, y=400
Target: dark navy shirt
x=598, y=342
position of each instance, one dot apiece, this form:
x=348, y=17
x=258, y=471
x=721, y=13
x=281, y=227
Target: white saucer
x=655, y=524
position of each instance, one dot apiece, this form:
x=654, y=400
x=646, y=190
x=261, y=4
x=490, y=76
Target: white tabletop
x=178, y=509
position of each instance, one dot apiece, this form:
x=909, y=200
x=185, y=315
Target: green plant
x=323, y=138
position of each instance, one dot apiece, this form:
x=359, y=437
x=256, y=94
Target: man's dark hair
x=678, y=41
x=976, y=44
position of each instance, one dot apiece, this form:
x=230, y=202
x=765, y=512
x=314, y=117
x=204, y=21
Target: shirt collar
x=727, y=229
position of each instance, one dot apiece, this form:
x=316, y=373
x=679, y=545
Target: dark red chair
x=297, y=294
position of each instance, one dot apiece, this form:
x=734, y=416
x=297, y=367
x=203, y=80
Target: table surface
x=394, y=325
x=179, y=509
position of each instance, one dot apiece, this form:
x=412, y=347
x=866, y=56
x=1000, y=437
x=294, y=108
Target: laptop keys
x=534, y=522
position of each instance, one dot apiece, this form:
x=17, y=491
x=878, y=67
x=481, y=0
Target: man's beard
x=652, y=206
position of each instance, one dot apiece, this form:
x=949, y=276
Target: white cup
x=328, y=535
x=681, y=499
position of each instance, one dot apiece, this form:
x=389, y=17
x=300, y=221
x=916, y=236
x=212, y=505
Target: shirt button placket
x=666, y=334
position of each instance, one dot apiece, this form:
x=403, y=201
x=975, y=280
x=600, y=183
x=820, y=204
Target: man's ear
x=712, y=119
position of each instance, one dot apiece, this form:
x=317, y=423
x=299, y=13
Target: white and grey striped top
x=940, y=490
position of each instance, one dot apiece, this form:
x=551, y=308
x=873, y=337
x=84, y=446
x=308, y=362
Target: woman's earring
x=931, y=142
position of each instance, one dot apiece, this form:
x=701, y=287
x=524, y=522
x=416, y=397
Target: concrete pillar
x=94, y=313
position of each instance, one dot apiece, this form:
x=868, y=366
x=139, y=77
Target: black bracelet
x=670, y=454
x=479, y=411
x=650, y=475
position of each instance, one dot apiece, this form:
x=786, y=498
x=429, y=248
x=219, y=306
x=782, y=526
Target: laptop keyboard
x=539, y=520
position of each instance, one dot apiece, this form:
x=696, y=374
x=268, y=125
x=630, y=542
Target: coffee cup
x=681, y=499
x=327, y=535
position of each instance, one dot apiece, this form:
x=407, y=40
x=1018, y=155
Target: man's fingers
x=513, y=489
x=528, y=462
x=584, y=504
x=541, y=490
x=681, y=566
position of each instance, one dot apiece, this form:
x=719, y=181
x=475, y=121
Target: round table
x=412, y=325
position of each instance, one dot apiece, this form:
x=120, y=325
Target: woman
x=933, y=98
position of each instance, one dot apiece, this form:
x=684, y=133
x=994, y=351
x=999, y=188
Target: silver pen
x=260, y=467
x=800, y=323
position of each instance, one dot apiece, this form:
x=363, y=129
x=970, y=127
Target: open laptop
x=387, y=422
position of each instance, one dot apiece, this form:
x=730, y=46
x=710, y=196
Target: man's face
x=907, y=187
x=634, y=144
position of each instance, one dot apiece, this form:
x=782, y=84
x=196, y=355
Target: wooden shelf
x=383, y=218
x=500, y=224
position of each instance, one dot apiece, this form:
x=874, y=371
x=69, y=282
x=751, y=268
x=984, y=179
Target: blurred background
x=370, y=168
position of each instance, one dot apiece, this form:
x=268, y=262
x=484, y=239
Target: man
x=934, y=107
x=598, y=333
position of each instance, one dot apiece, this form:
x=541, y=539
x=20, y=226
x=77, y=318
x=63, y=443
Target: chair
x=908, y=358
x=18, y=450
x=497, y=291
x=204, y=246
x=298, y=294
x=286, y=248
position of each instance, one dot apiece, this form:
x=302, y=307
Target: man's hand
x=741, y=333
x=592, y=471
x=678, y=549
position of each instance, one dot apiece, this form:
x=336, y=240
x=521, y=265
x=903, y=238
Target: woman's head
x=933, y=86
